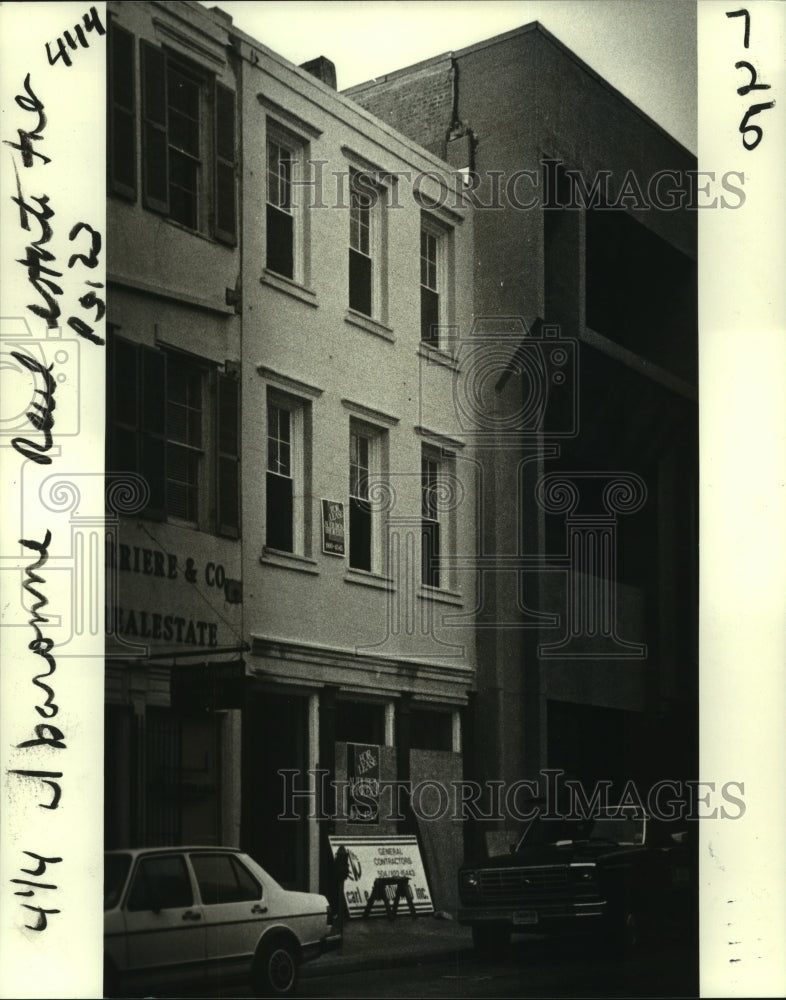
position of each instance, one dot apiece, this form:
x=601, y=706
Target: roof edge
x=530, y=27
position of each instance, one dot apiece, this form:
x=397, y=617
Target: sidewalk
x=379, y=943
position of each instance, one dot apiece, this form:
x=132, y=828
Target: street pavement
x=379, y=943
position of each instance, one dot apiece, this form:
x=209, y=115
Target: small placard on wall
x=333, y=530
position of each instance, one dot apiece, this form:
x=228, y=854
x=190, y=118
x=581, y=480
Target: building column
x=327, y=803
x=313, y=754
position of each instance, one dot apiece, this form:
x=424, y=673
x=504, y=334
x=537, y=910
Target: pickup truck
x=616, y=877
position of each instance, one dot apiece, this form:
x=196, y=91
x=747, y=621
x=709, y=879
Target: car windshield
x=115, y=871
x=623, y=830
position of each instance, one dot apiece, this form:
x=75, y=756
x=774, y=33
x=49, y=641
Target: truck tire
x=622, y=936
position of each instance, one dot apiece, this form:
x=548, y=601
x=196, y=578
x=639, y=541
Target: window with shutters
x=174, y=421
x=186, y=129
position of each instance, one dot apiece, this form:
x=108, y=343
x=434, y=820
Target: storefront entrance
x=275, y=738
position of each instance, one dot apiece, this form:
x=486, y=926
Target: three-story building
x=290, y=283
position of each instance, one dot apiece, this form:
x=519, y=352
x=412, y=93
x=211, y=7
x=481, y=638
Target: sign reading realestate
x=333, y=534
x=382, y=857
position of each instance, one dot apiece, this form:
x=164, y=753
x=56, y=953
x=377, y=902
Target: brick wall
x=418, y=104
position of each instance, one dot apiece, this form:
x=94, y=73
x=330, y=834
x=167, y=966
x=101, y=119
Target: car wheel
x=275, y=969
x=490, y=940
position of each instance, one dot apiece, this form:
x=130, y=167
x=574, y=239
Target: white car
x=183, y=916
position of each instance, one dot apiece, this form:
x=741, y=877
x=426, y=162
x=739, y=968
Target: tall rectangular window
x=188, y=143
x=168, y=426
x=361, y=264
x=184, y=438
x=360, y=518
x=432, y=539
x=280, y=216
x=429, y=288
x=280, y=491
x=436, y=279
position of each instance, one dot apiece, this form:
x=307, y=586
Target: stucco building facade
x=287, y=300
x=173, y=563
x=361, y=636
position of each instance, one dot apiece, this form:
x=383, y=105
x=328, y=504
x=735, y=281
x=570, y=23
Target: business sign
x=382, y=857
x=363, y=779
x=333, y=533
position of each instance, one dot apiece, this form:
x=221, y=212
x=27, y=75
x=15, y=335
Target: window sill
x=437, y=356
x=181, y=522
x=288, y=560
x=369, y=325
x=201, y=232
x=440, y=596
x=289, y=287
x=366, y=579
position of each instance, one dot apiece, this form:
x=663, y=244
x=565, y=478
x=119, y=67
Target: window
x=442, y=494
x=184, y=438
x=429, y=289
x=181, y=438
x=368, y=464
x=366, y=293
x=280, y=217
x=430, y=518
x=286, y=217
x=280, y=490
x=435, y=276
x=288, y=499
x=223, y=879
x=161, y=883
x=360, y=262
x=188, y=141
x=360, y=518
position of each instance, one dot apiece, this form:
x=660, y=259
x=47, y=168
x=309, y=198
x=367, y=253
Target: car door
x=165, y=926
x=235, y=908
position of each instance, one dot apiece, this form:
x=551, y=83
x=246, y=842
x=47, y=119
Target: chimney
x=323, y=69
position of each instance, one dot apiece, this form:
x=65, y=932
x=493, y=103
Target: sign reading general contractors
x=382, y=857
x=333, y=528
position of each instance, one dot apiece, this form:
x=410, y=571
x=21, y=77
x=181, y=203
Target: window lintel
x=287, y=384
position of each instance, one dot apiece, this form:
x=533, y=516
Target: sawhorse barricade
x=379, y=892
